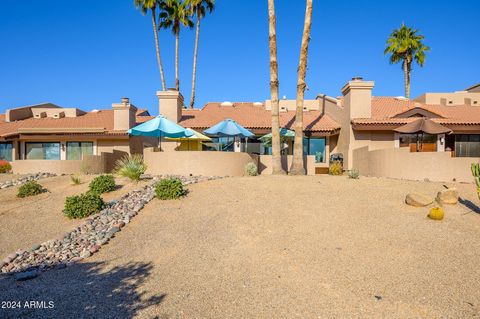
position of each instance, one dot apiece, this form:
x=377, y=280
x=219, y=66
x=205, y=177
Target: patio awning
x=423, y=125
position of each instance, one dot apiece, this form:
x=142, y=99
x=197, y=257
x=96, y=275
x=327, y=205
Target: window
x=77, y=150
x=467, y=145
x=6, y=151
x=315, y=146
x=40, y=150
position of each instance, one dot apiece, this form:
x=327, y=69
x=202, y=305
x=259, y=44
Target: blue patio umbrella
x=160, y=127
x=228, y=128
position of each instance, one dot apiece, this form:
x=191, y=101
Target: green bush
x=131, y=166
x=30, y=188
x=5, y=167
x=336, y=168
x=169, y=189
x=102, y=184
x=353, y=173
x=476, y=176
x=251, y=169
x=83, y=205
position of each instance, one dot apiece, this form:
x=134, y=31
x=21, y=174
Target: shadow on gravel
x=468, y=204
x=84, y=290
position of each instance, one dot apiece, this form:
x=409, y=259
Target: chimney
x=170, y=104
x=357, y=95
x=124, y=115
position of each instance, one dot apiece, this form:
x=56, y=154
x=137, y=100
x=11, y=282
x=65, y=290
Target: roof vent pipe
x=357, y=78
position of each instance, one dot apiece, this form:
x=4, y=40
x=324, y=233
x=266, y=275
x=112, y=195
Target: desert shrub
x=476, y=176
x=75, y=180
x=251, y=169
x=5, y=167
x=353, y=173
x=436, y=213
x=336, y=168
x=102, y=184
x=83, y=205
x=30, y=188
x=131, y=166
x=171, y=188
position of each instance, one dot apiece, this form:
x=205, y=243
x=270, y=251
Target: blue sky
x=92, y=53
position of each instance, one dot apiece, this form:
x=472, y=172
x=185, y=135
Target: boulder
x=448, y=196
x=418, y=200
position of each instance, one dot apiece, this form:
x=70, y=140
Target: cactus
x=436, y=213
x=476, y=175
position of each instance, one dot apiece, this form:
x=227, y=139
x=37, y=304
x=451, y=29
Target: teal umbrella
x=228, y=128
x=284, y=134
x=160, y=127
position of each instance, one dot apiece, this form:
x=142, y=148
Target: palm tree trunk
x=277, y=168
x=195, y=53
x=406, y=74
x=157, y=47
x=297, y=167
x=177, y=81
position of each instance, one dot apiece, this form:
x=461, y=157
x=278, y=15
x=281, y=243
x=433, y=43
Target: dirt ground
x=9, y=177
x=27, y=221
x=277, y=247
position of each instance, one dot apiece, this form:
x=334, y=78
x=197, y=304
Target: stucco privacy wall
x=403, y=164
x=197, y=163
x=265, y=164
x=93, y=164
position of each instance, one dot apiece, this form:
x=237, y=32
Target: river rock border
x=87, y=238
x=22, y=180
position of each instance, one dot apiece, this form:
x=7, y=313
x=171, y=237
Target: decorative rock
x=86, y=239
x=418, y=200
x=448, y=196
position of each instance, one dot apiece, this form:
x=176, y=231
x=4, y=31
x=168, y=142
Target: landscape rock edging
x=22, y=180
x=87, y=238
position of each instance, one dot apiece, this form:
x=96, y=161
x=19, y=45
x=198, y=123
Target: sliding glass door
x=42, y=151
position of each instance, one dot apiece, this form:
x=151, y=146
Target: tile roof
x=254, y=116
x=384, y=110
x=102, y=119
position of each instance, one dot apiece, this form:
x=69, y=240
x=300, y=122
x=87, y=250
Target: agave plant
x=476, y=175
x=131, y=166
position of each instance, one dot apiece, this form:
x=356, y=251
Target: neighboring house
x=49, y=132
x=357, y=125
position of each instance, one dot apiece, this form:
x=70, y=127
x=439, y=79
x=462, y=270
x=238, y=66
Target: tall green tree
x=298, y=167
x=174, y=15
x=405, y=45
x=145, y=6
x=199, y=9
x=277, y=168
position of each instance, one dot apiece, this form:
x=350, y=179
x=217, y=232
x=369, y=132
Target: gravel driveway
x=276, y=247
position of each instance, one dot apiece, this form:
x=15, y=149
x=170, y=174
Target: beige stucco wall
x=92, y=164
x=401, y=163
x=265, y=164
x=197, y=163
x=457, y=98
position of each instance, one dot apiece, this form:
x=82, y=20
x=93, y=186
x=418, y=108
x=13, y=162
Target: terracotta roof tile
x=253, y=116
x=384, y=110
x=97, y=119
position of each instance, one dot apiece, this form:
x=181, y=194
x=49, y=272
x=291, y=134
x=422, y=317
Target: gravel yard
x=32, y=220
x=271, y=247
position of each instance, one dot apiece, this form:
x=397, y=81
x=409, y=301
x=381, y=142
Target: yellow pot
x=436, y=213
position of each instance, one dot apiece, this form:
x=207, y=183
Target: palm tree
x=272, y=42
x=152, y=5
x=175, y=13
x=199, y=8
x=406, y=45
x=297, y=167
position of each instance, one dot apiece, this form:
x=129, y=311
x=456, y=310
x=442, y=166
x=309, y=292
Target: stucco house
x=360, y=126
